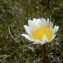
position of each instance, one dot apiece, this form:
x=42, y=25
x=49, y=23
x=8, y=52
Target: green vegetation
x=13, y=15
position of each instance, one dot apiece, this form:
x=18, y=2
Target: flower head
x=40, y=31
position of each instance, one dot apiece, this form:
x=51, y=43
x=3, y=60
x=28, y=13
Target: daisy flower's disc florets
x=40, y=31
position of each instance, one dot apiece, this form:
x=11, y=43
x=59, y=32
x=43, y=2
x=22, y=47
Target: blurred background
x=16, y=13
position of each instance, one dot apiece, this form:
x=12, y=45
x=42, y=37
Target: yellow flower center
x=40, y=32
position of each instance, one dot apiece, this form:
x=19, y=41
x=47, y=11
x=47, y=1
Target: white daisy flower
x=40, y=31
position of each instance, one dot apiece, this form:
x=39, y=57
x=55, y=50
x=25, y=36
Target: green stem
x=44, y=53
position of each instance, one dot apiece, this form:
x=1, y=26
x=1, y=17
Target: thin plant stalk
x=44, y=53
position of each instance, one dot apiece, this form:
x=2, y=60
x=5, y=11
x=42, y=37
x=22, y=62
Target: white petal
x=33, y=24
x=52, y=38
x=34, y=19
x=51, y=29
x=43, y=20
x=50, y=24
x=30, y=24
x=36, y=42
x=43, y=23
x=38, y=22
x=48, y=20
x=55, y=29
x=27, y=36
x=44, y=39
x=27, y=29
